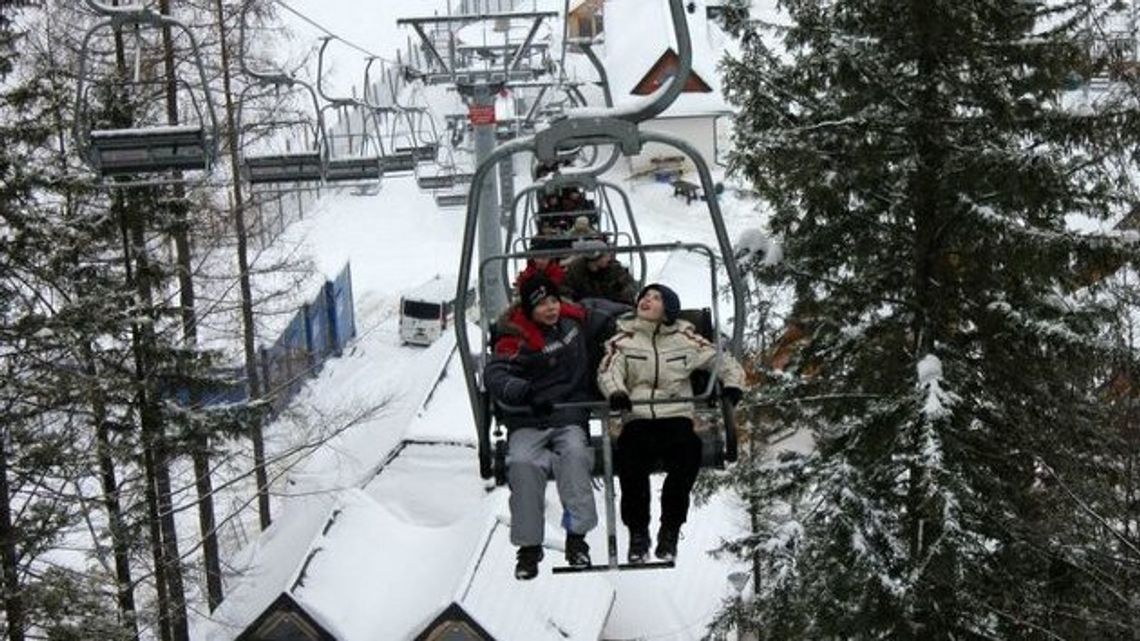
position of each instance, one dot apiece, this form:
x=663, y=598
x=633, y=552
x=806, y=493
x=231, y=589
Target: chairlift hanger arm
x=603, y=78
x=333, y=101
x=676, y=84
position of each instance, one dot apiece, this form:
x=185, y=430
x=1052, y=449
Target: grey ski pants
x=532, y=454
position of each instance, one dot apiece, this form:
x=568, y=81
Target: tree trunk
x=154, y=437
x=141, y=400
x=200, y=442
x=249, y=335
x=13, y=593
x=120, y=548
x=923, y=522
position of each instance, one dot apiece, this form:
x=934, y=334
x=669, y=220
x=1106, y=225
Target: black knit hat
x=669, y=299
x=534, y=290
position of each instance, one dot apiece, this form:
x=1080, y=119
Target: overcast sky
x=370, y=24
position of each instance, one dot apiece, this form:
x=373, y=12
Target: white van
x=427, y=311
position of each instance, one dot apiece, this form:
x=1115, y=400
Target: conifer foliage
x=921, y=159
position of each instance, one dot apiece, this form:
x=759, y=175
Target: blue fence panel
x=289, y=360
x=344, y=308
x=319, y=329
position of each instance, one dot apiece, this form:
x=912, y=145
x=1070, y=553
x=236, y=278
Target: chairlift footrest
x=621, y=567
x=451, y=200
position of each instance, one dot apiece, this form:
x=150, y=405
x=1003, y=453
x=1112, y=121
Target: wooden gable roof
x=663, y=69
x=285, y=619
x=454, y=623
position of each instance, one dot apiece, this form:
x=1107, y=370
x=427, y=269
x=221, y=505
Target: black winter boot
x=667, y=543
x=577, y=551
x=527, y=558
x=638, y=545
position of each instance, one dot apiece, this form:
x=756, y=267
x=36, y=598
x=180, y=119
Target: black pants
x=642, y=445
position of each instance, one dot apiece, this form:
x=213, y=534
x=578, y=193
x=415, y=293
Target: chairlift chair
x=619, y=130
x=301, y=167
x=385, y=120
x=361, y=164
x=525, y=221
x=421, y=137
x=450, y=200
x=297, y=152
x=144, y=148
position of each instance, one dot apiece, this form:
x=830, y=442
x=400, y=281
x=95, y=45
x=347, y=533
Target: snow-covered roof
x=384, y=560
x=639, y=32
x=558, y=608
x=371, y=571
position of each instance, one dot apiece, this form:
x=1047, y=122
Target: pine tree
x=921, y=160
x=42, y=459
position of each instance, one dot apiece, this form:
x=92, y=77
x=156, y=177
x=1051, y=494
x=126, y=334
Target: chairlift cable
x=328, y=33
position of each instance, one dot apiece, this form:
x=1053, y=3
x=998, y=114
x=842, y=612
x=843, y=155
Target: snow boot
x=577, y=551
x=526, y=567
x=638, y=545
x=667, y=543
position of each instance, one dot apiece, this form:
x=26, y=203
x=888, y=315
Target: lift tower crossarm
x=418, y=25
x=477, y=17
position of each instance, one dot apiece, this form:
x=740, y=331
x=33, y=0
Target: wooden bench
x=689, y=191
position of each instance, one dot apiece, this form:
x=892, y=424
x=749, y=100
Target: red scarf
x=531, y=334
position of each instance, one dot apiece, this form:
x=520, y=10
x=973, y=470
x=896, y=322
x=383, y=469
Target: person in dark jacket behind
x=542, y=358
x=599, y=275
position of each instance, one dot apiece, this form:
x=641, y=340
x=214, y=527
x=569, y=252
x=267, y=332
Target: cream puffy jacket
x=653, y=361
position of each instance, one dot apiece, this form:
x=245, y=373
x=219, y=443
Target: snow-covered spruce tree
x=921, y=162
x=42, y=403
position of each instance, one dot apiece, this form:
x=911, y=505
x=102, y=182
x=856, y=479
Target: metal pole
x=506, y=188
x=494, y=299
x=611, y=518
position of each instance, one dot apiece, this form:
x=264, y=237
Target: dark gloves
x=538, y=407
x=733, y=394
x=619, y=402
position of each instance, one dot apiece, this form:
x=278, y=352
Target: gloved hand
x=619, y=402
x=541, y=408
x=733, y=395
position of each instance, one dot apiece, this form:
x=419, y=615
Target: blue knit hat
x=671, y=302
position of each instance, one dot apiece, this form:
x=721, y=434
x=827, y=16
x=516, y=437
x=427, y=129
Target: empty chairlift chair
x=275, y=150
x=354, y=152
x=135, y=148
x=451, y=199
x=413, y=132
x=287, y=152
